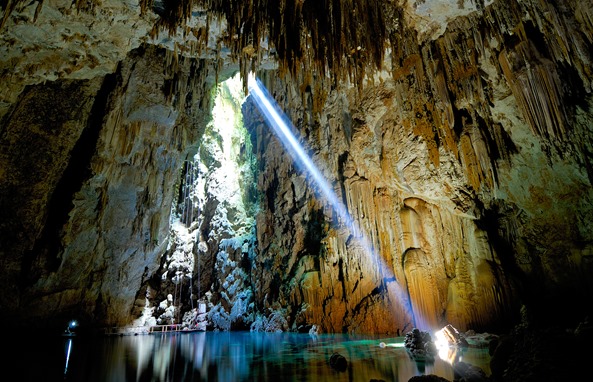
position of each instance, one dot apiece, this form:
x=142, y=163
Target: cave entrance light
x=282, y=127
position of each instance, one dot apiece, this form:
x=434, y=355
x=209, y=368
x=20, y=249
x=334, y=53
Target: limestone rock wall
x=467, y=166
x=50, y=40
x=36, y=150
x=429, y=262
x=101, y=188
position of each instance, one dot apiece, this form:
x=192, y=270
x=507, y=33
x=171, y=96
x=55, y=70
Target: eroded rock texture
x=439, y=264
x=461, y=146
x=467, y=168
x=88, y=178
x=53, y=39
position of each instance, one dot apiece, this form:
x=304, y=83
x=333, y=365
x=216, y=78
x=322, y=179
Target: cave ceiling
x=322, y=41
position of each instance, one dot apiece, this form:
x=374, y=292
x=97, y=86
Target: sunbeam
x=282, y=127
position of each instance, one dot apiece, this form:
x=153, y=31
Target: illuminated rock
x=454, y=337
x=457, y=133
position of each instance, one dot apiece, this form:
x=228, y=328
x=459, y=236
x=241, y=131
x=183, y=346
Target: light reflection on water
x=235, y=356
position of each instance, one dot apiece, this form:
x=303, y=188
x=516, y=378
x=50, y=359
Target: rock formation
x=457, y=168
x=89, y=169
x=457, y=133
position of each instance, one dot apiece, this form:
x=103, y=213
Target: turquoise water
x=218, y=356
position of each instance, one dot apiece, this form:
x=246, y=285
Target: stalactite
x=86, y=5
x=12, y=5
x=191, y=182
x=346, y=39
x=476, y=158
x=186, y=76
x=187, y=191
x=422, y=289
x=145, y=6
x=536, y=86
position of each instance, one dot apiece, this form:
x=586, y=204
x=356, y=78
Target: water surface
x=222, y=356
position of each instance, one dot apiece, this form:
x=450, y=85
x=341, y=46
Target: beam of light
x=68, y=355
x=282, y=127
x=280, y=124
x=384, y=345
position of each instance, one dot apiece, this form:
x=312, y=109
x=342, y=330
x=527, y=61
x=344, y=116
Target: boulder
x=420, y=345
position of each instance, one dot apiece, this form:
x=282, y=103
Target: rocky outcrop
x=100, y=190
x=527, y=354
x=467, y=168
x=420, y=346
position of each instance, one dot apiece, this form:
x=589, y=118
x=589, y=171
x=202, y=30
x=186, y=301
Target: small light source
x=441, y=340
x=448, y=342
x=446, y=353
x=384, y=345
x=71, y=325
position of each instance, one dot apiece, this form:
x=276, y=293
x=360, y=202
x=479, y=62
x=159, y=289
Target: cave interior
x=437, y=166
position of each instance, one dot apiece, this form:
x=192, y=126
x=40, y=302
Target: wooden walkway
x=165, y=328
x=135, y=330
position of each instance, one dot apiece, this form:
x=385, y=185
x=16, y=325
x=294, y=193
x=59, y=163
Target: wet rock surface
x=420, y=345
x=454, y=337
x=465, y=372
x=338, y=362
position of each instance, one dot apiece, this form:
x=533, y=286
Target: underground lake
x=226, y=356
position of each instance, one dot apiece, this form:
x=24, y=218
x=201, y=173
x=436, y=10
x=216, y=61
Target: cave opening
x=212, y=226
x=208, y=277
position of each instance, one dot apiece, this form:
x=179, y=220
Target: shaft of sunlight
x=282, y=127
x=280, y=124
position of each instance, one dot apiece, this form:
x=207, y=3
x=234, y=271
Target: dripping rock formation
x=458, y=134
